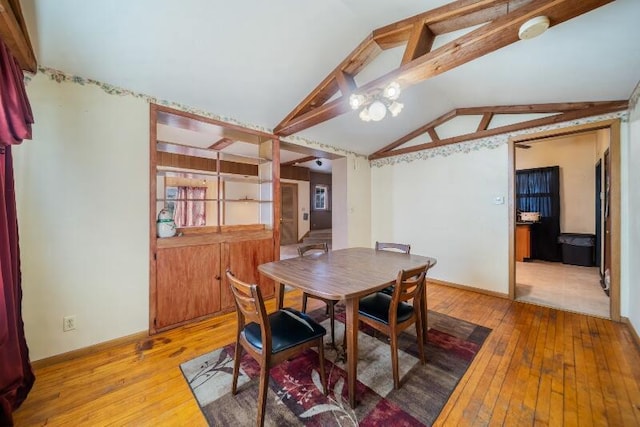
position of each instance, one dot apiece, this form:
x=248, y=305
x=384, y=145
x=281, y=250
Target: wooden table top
x=344, y=273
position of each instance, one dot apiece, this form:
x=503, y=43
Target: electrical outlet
x=68, y=323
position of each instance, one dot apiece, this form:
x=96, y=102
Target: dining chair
x=396, y=247
x=270, y=339
x=392, y=314
x=319, y=247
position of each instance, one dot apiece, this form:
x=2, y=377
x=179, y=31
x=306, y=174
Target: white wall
x=339, y=206
x=444, y=207
x=630, y=294
x=359, y=201
x=303, y=206
x=576, y=157
x=83, y=208
x=351, y=209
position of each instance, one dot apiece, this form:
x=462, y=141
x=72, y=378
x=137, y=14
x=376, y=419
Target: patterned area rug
x=295, y=392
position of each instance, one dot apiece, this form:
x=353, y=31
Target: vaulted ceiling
x=255, y=61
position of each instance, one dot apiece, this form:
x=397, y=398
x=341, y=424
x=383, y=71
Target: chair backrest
x=249, y=304
x=397, y=246
x=409, y=285
x=314, y=247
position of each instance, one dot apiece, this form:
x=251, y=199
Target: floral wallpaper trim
x=490, y=143
x=635, y=96
x=61, y=76
x=634, y=109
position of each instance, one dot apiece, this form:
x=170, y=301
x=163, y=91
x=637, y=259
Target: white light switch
x=498, y=200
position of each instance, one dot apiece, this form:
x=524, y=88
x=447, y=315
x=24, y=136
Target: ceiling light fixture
x=376, y=105
x=533, y=27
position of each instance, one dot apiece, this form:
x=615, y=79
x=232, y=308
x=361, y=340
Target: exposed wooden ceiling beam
x=13, y=33
x=416, y=133
x=499, y=33
x=419, y=43
x=297, y=161
x=609, y=107
x=559, y=107
x=221, y=143
x=484, y=122
x=433, y=134
x=394, y=35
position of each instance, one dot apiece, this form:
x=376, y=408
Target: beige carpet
x=568, y=287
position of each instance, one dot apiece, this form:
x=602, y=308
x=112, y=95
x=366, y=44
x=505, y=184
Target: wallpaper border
x=63, y=77
x=489, y=143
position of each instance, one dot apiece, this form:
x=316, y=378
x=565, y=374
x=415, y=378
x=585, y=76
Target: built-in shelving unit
x=231, y=175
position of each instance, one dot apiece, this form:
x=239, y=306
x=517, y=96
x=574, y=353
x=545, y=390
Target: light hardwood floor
x=539, y=365
x=567, y=287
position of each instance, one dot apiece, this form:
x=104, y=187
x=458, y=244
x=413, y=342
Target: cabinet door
x=187, y=284
x=243, y=258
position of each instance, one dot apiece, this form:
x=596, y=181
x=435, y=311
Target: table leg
x=352, y=347
x=279, y=295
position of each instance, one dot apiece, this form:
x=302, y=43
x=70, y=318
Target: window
x=321, y=198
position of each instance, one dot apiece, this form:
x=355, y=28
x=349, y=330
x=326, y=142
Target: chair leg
x=262, y=393
x=323, y=376
x=330, y=306
x=394, y=360
x=420, y=337
x=304, y=303
x=236, y=367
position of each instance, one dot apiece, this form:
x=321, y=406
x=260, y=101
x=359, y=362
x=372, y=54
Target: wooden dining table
x=347, y=275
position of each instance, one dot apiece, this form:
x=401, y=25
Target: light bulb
x=364, y=115
x=392, y=91
x=377, y=111
x=395, y=108
x=356, y=101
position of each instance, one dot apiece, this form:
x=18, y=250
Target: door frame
x=613, y=125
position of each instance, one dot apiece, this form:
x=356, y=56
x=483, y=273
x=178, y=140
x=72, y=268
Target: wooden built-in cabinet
x=188, y=283
x=523, y=242
x=191, y=281
x=239, y=172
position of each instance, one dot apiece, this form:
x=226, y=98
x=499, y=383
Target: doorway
x=574, y=284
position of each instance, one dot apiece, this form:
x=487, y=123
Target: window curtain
x=538, y=190
x=16, y=375
x=190, y=208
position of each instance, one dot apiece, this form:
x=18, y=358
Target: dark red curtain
x=16, y=376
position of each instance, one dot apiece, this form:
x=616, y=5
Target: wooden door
x=188, y=284
x=243, y=258
x=288, y=213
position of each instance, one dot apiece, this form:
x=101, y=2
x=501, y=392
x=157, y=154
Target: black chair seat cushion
x=289, y=328
x=388, y=290
x=376, y=307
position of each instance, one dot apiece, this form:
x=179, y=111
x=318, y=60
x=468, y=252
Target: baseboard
x=469, y=288
x=74, y=354
x=633, y=331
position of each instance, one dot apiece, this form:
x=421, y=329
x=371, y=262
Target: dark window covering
x=538, y=190
x=16, y=376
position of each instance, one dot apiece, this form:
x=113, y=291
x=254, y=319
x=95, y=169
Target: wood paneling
x=295, y=172
x=548, y=354
x=204, y=164
x=243, y=259
x=188, y=283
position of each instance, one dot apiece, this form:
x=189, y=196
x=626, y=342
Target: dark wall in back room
x=320, y=219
